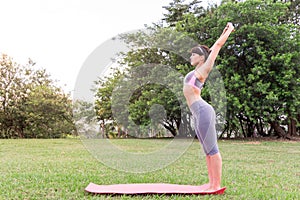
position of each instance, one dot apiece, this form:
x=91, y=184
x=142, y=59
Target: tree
x=85, y=119
x=31, y=105
x=178, y=9
x=103, y=103
x=137, y=97
x=262, y=83
x=47, y=113
x=259, y=65
x=11, y=97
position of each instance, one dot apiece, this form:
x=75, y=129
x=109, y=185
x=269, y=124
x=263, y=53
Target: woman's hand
x=229, y=27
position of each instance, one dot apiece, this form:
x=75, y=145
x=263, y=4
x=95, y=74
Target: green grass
x=61, y=169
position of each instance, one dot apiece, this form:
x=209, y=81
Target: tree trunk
x=241, y=123
x=279, y=131
x=250, y=128
x=170, y=128
x=224, y=131
x=292, y=127
x=260, y=128
x=183, y=128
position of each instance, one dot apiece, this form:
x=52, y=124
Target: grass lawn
x=61, y=169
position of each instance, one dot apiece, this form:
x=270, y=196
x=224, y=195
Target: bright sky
x=60, y=34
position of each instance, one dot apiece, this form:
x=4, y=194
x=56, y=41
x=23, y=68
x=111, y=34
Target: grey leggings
x=205, y=126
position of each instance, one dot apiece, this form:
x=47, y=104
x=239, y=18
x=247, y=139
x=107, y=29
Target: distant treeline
x=31, y=106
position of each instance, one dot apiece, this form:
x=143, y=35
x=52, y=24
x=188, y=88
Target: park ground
x=62, y=168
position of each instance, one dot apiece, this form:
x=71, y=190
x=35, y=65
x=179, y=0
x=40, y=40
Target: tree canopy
x=31, y=106
x=258, y=68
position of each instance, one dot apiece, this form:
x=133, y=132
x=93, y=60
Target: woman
x=203, y=59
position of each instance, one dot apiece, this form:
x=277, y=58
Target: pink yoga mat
x=150, y=188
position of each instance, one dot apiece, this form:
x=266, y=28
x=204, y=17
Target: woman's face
x=196, y=59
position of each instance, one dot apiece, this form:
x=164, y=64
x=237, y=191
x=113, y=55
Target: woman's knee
x=212, y=151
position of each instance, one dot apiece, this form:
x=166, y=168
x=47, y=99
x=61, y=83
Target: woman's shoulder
x=189, y=74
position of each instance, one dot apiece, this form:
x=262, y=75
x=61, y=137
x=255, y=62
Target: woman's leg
x=204, y=116
x=214, y=164
x=209, y=170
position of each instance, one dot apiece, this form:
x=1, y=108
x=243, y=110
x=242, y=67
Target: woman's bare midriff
x=191, y=94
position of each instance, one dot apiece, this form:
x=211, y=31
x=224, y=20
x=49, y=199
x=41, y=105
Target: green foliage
x=103, y=103
x=30, y=105
x=264, y=63
x=48, y=113
x=255, y=84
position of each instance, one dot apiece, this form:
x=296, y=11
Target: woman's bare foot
x=212, y=189
x=206, y=186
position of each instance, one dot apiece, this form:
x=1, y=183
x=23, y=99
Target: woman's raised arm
x=214, y=51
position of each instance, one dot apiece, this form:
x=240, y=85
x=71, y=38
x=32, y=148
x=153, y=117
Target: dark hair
x=201, y=50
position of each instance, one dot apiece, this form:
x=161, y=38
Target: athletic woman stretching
x=203, y=59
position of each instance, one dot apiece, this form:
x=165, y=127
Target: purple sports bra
x=192, y=80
